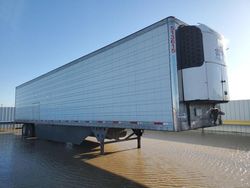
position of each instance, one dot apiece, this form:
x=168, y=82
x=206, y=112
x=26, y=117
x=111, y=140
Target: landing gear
x=138, y=133
x=101, y=133
x=28, y=130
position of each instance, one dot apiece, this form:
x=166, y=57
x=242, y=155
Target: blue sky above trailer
x=38, y=36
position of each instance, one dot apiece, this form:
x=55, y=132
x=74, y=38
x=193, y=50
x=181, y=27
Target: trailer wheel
x=24, y=130
x=31, y=130
x=28, y=130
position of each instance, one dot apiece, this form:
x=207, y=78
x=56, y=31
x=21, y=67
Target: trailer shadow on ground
x=90, y=150
x=53, y=165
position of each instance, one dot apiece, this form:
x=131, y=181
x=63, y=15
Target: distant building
x=237, y=112
x=7, y=114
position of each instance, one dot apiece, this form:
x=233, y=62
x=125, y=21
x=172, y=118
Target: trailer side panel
x=127, y=81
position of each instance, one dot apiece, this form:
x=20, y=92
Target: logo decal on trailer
x=172, y=39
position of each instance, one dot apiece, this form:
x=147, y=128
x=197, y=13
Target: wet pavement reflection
x=185, y=159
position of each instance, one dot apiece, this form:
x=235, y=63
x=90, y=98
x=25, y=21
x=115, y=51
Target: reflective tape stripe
x=133, y=122
x=158, y=123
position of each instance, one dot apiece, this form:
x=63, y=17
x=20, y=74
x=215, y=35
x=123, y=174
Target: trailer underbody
x=77, y=134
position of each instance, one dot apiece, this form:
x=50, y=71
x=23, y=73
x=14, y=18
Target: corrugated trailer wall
x=7, y=114
x=128, y=80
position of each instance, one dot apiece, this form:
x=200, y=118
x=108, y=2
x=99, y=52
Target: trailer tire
x=31, y=130
x=28, y=130
x=24, y=130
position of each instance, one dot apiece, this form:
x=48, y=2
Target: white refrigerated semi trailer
x=165, y=77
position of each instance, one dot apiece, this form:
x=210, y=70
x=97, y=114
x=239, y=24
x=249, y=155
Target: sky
x=38, y=36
